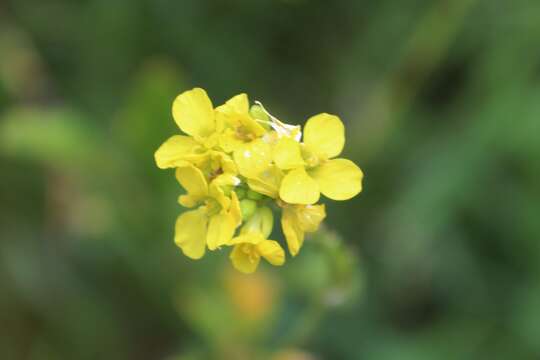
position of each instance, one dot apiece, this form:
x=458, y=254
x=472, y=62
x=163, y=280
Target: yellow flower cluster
x=239, y=164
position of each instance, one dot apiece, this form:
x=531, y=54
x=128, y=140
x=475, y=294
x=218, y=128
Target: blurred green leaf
x=57, y=136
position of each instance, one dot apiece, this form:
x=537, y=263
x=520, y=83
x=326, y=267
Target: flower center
x=243, y=134
x=309, y=157
x=250, y=251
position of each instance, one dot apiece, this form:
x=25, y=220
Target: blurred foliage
x=439, y=258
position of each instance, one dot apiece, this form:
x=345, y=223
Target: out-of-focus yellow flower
x=292, y=354
x=311, y=166
x=296, y=220
x=254, y=297
x=213, y=223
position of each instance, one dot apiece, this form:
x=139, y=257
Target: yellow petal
x=218, y=188
x=243, y=261
x=223, y=162
x=190, y=233
x=267, y=182
x=247, y=238
x=238, y=104
x=210, y=141
x=310, y=216
x=324, y=134
x=234, y=209
x=229, y=142
x=192, y=179
x=220, y=230
x=194, y=114
x=189, y=201
x=287, y=154
x=253, y=158
x=292, y=231
x=338, y=179
x=251, y=125
x=174, y=151
x=298, y=187
x=272, y=252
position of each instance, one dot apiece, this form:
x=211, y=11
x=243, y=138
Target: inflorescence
x=239, y=165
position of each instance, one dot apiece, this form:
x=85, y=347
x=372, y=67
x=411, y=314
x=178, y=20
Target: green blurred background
x=438, y=258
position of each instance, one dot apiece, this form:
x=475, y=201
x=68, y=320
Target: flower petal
x=220, y=230
x=310, y=216
x=238, y=104
x=235, y=210
x=292, y=231
x=338, y=179
x=324, y=134
x=190, y=233
x=267, y=182
x=193, y=112
x=253, y=158
x=221, y=187
x=242, y=261
x=228, y=140
x=247, y=238
x=287, y=154
x=192, y=179
x=298, y=187
x=174, y=151
x=252, y=125
x=188, y=200
x=272, y=252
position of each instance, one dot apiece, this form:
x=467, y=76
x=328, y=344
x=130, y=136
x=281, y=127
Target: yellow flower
x=194, y=114
x=242, y=136
x=239, y=125
x=252, y=243
x=249, y=248
x=311, y=166
x=296, y=220
x=214, y=222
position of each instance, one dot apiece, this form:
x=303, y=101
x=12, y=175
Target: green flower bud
x=254, y=195
x=262, y=221
x=267, y=220
x=258, y=113
x=248, y=207
x=240, y=192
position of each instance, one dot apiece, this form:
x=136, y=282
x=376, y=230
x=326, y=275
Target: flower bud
x=253, y=195
x=262, y=221
x=267, y=220
x=247, y=207
x=257, y=112
x=240, y=192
